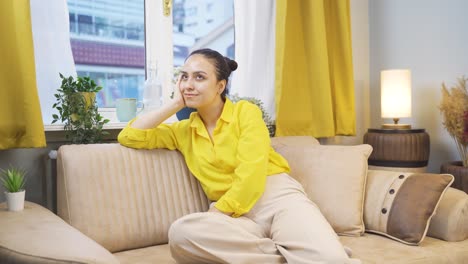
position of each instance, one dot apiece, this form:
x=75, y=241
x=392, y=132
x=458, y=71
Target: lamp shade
x=395, y=93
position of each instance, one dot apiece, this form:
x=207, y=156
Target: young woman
x=259, y=213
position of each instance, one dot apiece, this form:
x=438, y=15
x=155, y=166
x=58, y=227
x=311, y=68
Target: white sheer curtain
x=254, y=23
x=52, y=49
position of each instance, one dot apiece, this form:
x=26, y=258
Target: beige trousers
x=284, y=226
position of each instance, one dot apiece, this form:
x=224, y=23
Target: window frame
x=156, y=24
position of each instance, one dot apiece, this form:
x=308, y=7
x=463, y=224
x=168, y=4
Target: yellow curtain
x=20, y=114
x=314, y=87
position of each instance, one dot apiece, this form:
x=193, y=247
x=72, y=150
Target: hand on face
x=178, y=98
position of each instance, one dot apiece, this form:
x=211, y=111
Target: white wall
x=430, y=37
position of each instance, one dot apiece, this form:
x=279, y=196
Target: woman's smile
x=189, y=95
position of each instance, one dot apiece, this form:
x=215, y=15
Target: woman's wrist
x=177, y=104
x=157, y=116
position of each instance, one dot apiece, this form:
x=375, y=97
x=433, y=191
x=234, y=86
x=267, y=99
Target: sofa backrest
x=124, y=198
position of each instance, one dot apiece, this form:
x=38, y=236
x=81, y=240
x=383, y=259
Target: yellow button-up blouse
x=232, y=168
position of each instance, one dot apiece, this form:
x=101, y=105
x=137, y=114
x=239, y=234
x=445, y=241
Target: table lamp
x=395, y=96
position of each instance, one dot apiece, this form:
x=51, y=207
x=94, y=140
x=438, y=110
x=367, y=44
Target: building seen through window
x=108, y=40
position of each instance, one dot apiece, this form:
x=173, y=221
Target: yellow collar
x=226, y=116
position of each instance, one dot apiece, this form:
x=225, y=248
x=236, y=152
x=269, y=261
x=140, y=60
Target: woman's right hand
x=154, y=118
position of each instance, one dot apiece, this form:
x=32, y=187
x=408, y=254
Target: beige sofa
x=116, y=204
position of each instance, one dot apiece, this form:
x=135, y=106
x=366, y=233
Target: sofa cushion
x=376, y=249
x=334, y=178
x=160, y=254
x=450, y=222
x=36, y=235
x=400, y=205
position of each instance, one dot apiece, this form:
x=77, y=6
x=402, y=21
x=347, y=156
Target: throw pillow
x=334, y=178
x=400, y=205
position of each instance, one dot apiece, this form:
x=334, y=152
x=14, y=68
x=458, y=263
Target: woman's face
x=198, y=83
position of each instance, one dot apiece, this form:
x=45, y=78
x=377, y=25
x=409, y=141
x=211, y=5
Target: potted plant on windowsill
x=78, y=110
x=454, y=109
x=13, y=180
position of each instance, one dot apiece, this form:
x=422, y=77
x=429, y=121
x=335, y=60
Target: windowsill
x=108, y=126
x=56, y=133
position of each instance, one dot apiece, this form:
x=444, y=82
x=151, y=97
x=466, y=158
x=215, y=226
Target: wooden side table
x=398, y=149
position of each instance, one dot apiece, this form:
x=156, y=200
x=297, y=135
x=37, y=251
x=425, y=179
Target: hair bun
x=231, y=63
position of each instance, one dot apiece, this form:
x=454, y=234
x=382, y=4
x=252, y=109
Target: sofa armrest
x=36, y=235
x=450, y=222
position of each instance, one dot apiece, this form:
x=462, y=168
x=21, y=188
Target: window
x=108, y=46
x=108, y=41
x=209, y=7
x=190, y=31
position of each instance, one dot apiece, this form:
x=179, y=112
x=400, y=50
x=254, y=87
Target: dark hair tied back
x=223, y=65
x=231, y=63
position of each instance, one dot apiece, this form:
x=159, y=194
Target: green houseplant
x=78, y=111
x=13, y=180
x=266, y=117
x=454, y=110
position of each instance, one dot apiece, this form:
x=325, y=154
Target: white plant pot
x=15, y=201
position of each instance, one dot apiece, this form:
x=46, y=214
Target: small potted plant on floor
x=78, y=110
x=13, y=180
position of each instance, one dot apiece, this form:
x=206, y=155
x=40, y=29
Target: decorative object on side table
x=397, y=147
x=13, y=180
x=395, y=88
x=78, y=110
x=454, y=109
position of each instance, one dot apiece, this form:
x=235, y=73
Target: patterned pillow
x=400, y=205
